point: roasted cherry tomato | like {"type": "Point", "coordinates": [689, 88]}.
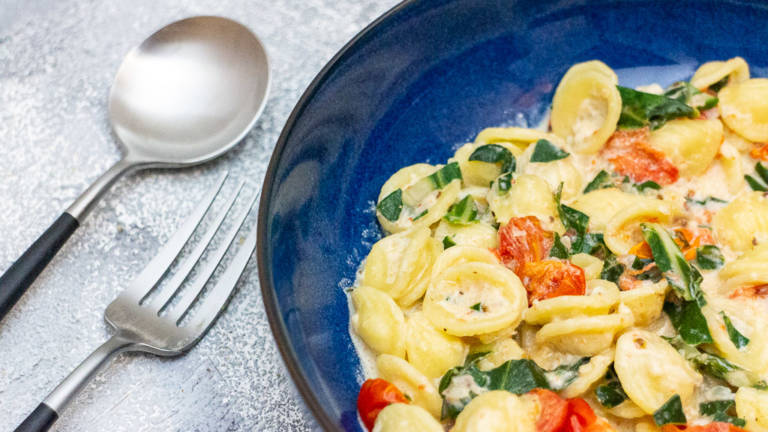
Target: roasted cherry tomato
{"type": "Point", "coordinates": [752, 292]}
{"type": "Point", "coordinates": [631, 155]}
{"type": "Point", "coordinates": [760, 153]}
{"type": "Point", "coordinates": [375, 395]}
{"type": "Point", "coordinates": [523, 240]}
{"type": "Point", "coordinates": [550, 278]}
{"type": "Point", "coordinates": [554, 411]}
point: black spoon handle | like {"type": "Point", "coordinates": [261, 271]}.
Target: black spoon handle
{"type": "Point", "coordinates": [15, 281]}
{"type": "Point", "coordinates": [39, 420]}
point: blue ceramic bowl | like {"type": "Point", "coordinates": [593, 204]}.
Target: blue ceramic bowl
{"type": "Point", "coordinates": [418, 82]}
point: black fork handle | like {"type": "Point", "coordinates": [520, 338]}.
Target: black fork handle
{"type": "Point", "coordinates": [15, 281]}
{"type": "Point", "coordinates": [39, 420]}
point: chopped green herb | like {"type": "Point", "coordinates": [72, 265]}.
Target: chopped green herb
{"type": "Point", "coordinates": [681, 91]}
{"type": "Point", "coordinates": [639, 109]}
{"type": "Point", "coordinates": [709, 257]}
{"type": "Point", "coordinates": [705, 201]}
{"type": "Point", "coordinates": [670, 413]}
{"type": "Point", "coordinates": [684, 278]}
{"type": "Point", "coordinates": [477, 307]}
{"type": "Point", "coordinates": [545, 151]}
{"type": "Point", "coordinates": [640, 263]}
{"type": "Point", "coordinates": [611, 393]}
{"type": "Point", "coordinates": [689, 322]}
{"type": "Point", "coordinates": [562, 376]}
{"type": "Point", "coordinates": [738, 339]}
{"type": "Point", "coordinates": [756, 185]}
{"type": "Point", "coordinates": [558, 249]}
{"type": "Point", "coordinates": [653, 274]}
{"type": "Point", "coordinates": [612, 269]}
{"type": "Point", "coordinates": [421, 215]}
{"type": "Point", "coordinates": [601, 181]}
{"type": "Point", "coordinates": [448, 242]}
{"type": "Point", "coordinates": [391, 206]}
{"type": "Point", "coordinates": [719, 412]}
{"type": "Point", "coordinates": [494, 153]}
{"type": "Point", "coordinates": [649, 184]}
{"type": "Point", "coordinates": [761, 182]}
{"type": "Point", "coordinates": [463, 212]}
{"type": "Point", "coordinates": [708, 104]}
{"type": "Point", "coordinates": [504, 183]}
{"type": "Point", "coordinates": [716, 87]}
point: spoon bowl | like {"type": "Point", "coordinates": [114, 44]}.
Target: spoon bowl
{"type": "Point", "coordinates": [190, 92]}
{"type": "Point", "coordinates": [187, 94]}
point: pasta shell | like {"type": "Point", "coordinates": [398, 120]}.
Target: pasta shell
{"type": "Point", "coordinates": [378, 321]}
{"type": "Point", "coordinates": [586, 106]}
{"type": "Point", "coordinates": [475, 298]}
{"type": "Point", "coordinates": [478, 173]}
{"type": "Point", "coordinates": [651, 371]}
{"type": "Point", "coordinates": [400, 417]}
{"type": "Point", "coordinates": [401, 180]}
{"type": "Point", "coordinates": [623, 230]}
{"type": "Point", "coordinates": [589, 374]}
{"type": "Point", "coordinates": [604, 296]}
{"type": "Point", "coordinates": [744, 108]}
{"type": "Point", "coordinates": [712, 72]}
{"type": "Point", "coordinates": [591, 265]}
{"type": "Point", "coordinates": [411, 382]}
{"type": "Point", "coordinates": [749, 322]}
{"type": "Point", "coordinates": [601, 205]}
{"type": "Point", "coordinates": [585, 336]}
{"type": "Point", "coordinates": [529, 196]}
{"type": "Point", "coordinates": [554, 173]}
{"type": "Point", "coordinates": [477, 234]}
{"type": "Point", "coordinates": [458, 254]}
{"type": "Point", "coordinates": [401, 264]}
{"type": "Point", "coordinates": [429, 350]}
{"type": "Point", "coordinates": [691, 145]}
{"type": "Point", "coordinates": [645, 301]}
{"type": "Point", "coordinates": [752, 406]}
{"type": "Point", "coordinates": [500, 352]}
{"type": "Point", "coordinates": [743, 222]}
{"type": "Point", "coordinates": [497, 411]}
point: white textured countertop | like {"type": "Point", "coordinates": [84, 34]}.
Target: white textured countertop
{"type": "Point", "coordinates": [57, 61]}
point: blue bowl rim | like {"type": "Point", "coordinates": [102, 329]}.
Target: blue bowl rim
{"type": "Point", "coordinates": [268, 293]}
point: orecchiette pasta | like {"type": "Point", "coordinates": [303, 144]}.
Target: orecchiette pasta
{"type": "Point", "coordinates": [690, 144]}
{"type": "Point", "coordinates": [597, 267]}
{"type": "Point", "coordinates": [497, 411]}
{"type": "Point", "coordinates": [586, 106]}
{"type": "Point", "coordinates": [603, 296]}
{"type": "Point", "coordinates": [429, 350]}
{"type": "Point", "coordinates": [379, 321]}
{"type": "Point", "coordinates": [477, 234]}
{"type": "Point", "coordinates": [623, 230]}
{"type": "Point", "coordinates": [752, 406]}
{"type": "Point", "coordinates": [651, 371]}
{"type": "Point", "coordinates": [744, 108]}
{"type": "Point", "coordinates": [411, 382]}
{"type": "Point", "coordinates": [586, 336]}
{"type": "Point", "coordinates": [400, 264]}
{"type": "Point", "coordinates": [711, 72]}
{"type": "Point", "coordinates": [529, 196]}
{"type": "Point", "coordinates": [400, 417]}
{"type": "Point", "coordinates": [474, 298]}
{"type": "Point", "coordinates": [743, 223]}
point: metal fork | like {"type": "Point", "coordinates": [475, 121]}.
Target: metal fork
{"type": "Point", "coordinates": [154, 324]}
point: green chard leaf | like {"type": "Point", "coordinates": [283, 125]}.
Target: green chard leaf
{"type": "Point", "coordinates": [681, 91]}
{"type": "Point", "coordinates": [639, 109]}
{"type": "Point", "coordinates": [648, 184]}
{"type": "Point", "coordinates": [612, 269]}
{"type": "Point", "coordinates": [689, 322]}
{"type": "Point", "coordinates": [504, 182]}
{"type": "Point", "coordinates": [463, 212]}
{"type": "Point", "coordinates": [496, 154]}
{"type": "Point", "coordinates": [515, 376]}
{"type": "Point", "coordinates": [445, 175]}
{"type": "Point", "coordinates": [545, 151]}
{"type": "Point", "coordinates": [448, 242]}
{"type": "Point", "coordinates": [708, 104]}
{"type": "Point", "coordinates": [719, 412]}
{"type": "Point", "coordinates": [391, 206]}
{"type": "Point", "coordinates": [738, 339]}
{"type": "Point", "coordinates": [670, 413]}
{"type": "Point", "coordinates": [716, 87]}
{"type": "Point", "coordinates": [611, 393]}
{"type": "Point", "coordinates": [714, 365]}
{"type": "Point", "coordinates": [760, 182]}
{"type": "Point", "coordinates": [684, 278]}
{"type": "Point", "coordinates": [558, 249]}
{"type": "Point", "coordinates": [601, 181]}
{"type": "Point", "coordinates": [709, 257]}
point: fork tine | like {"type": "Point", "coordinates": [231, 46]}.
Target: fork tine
{"type": "Point", "coordinates": [213, 304]}
{"type": "Point", "coordinates": [176, 312]}
{"type": "Point", "coordinates": [170, 288]}
{"type": "Point", "coordinates": [156, 269]}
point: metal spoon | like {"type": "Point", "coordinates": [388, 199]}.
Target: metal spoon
{"type": "Point", "coordinates": [186, 95]}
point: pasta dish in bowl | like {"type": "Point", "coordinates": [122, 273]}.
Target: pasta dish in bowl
{"type": "Point", "coordinates": [606, 271]}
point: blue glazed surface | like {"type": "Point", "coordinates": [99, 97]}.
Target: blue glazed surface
{"type": "Point", "coordinates": [412, 88]}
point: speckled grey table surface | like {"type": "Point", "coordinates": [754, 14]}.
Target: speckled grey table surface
{"type": "Point", "coordinates": [57, 61]}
